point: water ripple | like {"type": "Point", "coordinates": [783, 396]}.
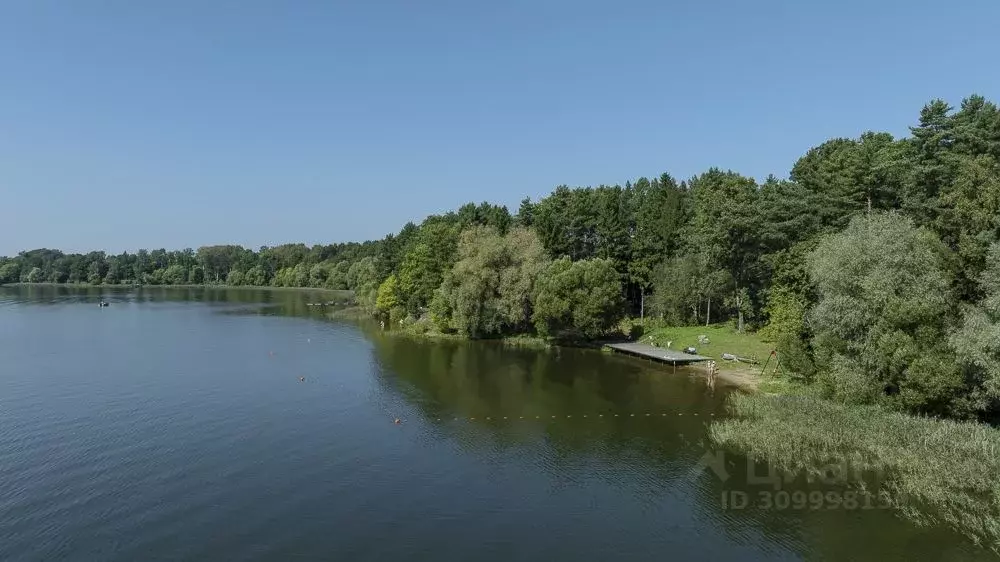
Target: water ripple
{"type": "Point", "coordinates": [178, 430]}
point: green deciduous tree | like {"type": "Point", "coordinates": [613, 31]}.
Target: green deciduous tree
{"type": "Point", "coordinates": [300, 275]}
{"type": "Point", "coordinates": [318, 274]}
{"type": "Point", "coordinates": [363, 279]}
{"type": "Point", "coordinates": [235, 278]}
{"type": "Point", "coordinates": [883, 311]}
{"type": "Point", "coordinates": [337, 278]}
{"type": "Point", "coordinates": [34, 276]}
{"type": "Point", "coordinates": [786, 330]}
{"type": "Point", "coordinates": [685, 287]}
{"type": "Point", "coordinates": [216, 261]}
{"type": "Point", "coordinates": [977, 340]}
{"type": "Point", "coordinates": [255, 277]}
{"type": "Point", "coordinates": [580, 299]}
{"type": "Point", "coordinates": [175, 275]}
{"type": "Point", "coordinates": [197, 275]}
{"type": "Point", "coordinates": [488, 290]}
{"type": "Point", "coordinates": [98, 268]}
{"type": "Point", "coordinates": [387, 296]}
{"type": "Point", "coordinates": [282, 277]}
{"type": "Point", "coordinates": [10, 272]}
{"type": "Point", "coordinates": [430, 256]}
{"type": "Point", "coordinates": [363, 272]}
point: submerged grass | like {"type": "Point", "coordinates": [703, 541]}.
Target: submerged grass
{"type": "Point", "coordinates": [348, 313]}
{"type": "Point", "coordinates": [933, 471]}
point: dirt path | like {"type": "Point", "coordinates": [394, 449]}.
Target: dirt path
{"type": "Point", "coordinates": [740, 375]}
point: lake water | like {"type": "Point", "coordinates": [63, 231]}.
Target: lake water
{"type": "Point", "coordinates": [172, 425]}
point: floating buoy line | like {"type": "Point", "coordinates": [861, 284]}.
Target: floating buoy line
{"type": "Point", "coordinates": [539, 417]}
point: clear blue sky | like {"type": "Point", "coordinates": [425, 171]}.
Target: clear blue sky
{"type": "Point", "coordinates": [181, 123]}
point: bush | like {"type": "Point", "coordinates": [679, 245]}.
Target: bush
{"type": "Point", "coordinates": [399, 317]}
{"type": "Point", "coordinates": [631, 328]}
{"type": "Point", "coordinates": [419, 326]}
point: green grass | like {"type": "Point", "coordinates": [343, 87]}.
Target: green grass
{"type": "Point", "coordinates": [722, 339]}
{"type": "Point", "coordinates": [785, 386]}
{"type": "Point", "coordinates": [933, 471]}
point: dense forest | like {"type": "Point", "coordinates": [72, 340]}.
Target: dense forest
{"type": "Point", "coordinates": [874, 268]}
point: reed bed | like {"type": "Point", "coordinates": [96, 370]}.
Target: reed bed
{"type": "Point", "coordinates": [934, 471]}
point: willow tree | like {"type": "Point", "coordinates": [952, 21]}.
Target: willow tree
{"type": "Point", "coordinates": [577, 299]}
{"type": "Point", "coordinates": [883, 315]}
{"type": "Point", "coordinates": [487, 292]}
{"type": "Point", "coordinates": [977, 341]}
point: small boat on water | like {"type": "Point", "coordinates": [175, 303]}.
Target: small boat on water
{"type": "Point", "coordinates": [103, 303]}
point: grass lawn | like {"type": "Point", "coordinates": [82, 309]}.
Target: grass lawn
{"type": "Point", "coordinates": [721, 339]}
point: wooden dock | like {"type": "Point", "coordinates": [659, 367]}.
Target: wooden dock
{"type": "Point", "coordinates": [663, 355]}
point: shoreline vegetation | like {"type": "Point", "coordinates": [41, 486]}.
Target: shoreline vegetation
{"type": "Point", "coordinates": [930, 471]}
{"type": "Point", "coordinates": [341, 292]}
{"type": "Point", "coordinates": [873, 273]}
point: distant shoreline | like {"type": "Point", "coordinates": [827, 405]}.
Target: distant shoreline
{"type": "Point", "coordinates": [186, 286]}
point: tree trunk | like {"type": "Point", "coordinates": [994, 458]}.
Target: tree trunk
{"type": "Point", "coordinates": [708, 311]}
{"type": "Point", "coordinates": [739, 312]}
{"type": "Point", "coordinates": [642, 303]}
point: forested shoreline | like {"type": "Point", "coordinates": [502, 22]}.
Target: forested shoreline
{"type": "Point", "coordinates": [874, 268]}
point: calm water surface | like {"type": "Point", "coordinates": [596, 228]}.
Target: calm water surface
{"type": "Point", "coordinates": [172, 425]}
